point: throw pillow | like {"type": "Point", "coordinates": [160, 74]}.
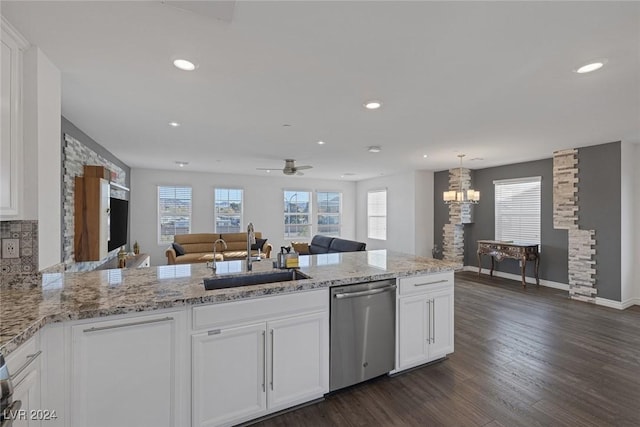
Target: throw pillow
{"type": "Point", "coordinates": [301, 248]}
{"type": "Point", "coordinates": [178, 248]}
{"type": "Point", "coordinates": [258, 244]}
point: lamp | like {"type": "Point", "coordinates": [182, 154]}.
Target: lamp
{"type": "Point", "coordinates": [462, 196]}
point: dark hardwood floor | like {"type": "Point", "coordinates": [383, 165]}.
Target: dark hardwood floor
{"type": "Point", "coordinates": [523, 357]}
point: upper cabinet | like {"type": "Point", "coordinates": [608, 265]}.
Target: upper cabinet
{"type": "Point", "coordinates": [13, 45]}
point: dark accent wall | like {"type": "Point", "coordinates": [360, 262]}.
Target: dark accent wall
{"type": "Point", "coordinates": [600, 204]}
{"type": "Point", "coordinates": [554, 245]}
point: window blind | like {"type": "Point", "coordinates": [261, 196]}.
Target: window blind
{"type": "Point", "coordinates": [517, 210]}
{"type": "Point", "coordinates": [377, 214]}
{"type": "Point", "coordinates": [174, 212]}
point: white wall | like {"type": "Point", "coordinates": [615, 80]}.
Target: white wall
{"type": "Point", "coordinates": [409, 212]}
{"type": "Point", "coordinates": [263, 204]}
{"type": "Point", "coordinates": [424, 213]}
{"type": "Point", "coordinates": [42, 153]}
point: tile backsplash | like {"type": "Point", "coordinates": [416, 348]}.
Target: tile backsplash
{"type": "Point", "coordinates": [27, 234]}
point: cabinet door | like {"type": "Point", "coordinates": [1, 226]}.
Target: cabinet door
{"type": "Point", "coordinates": [413, 329]}
{"type": "Point", "coordinates": [297, 359]}
{"type": "Point", "coordinates": [125, 372]}
{"type": "Point", "coordinates": [228, 375]}
{"type": "Point", "coordinates": [28, 392]}
{"type": "Point", "coordinates": [441, 323]}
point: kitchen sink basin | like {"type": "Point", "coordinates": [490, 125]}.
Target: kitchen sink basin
{"type": "Point", "coordinates": [221, 282]}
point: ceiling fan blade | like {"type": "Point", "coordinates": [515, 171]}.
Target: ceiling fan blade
{"type": "Point", "coordinates": [299, 173]}
{"type": "Point", "coordinates": [303, 167]}
{"type": "Point", "coordinates": [268, 169]}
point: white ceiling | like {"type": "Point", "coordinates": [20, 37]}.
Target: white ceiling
{"type": "Point", "coordinates": [493, 80]}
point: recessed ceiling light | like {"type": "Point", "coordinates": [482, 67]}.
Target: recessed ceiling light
{"type": "Point", "coordinates": [372, 105]}
{"type": "Point", "coordinates": [321, 143]}
{"type": "Point", "coordinates": [182, 164]}
{"type": "Point", "coordinates": [424, 156]}
{"type": "Point", "coordinates": [174, 124]}
{"type": "Point", "coordinates": [268, 171]}
{"type": "Point", "coordinates": [184, 65]}
{"type": "Point", "coordinates": [375, 149]}
{"type": "Point", "coordinates": [592, 66]}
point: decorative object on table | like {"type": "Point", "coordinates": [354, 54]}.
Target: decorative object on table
{"type": "Point", "coordinates": [122, 258]}
{"type": "Point", "coordinates": [136, 248]}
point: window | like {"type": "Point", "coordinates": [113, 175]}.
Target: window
{"type": "Point", "coordinates": [297, 214]}
{"type": "Point", "coordinates": [377, 214]}
{"type": "Point", "coordinates": [228, 210]}
{"type": "Point", "coordinates": [518, 210]}
{"type": "Point", "coordinates": [174, 212]}
{"type": "Point", "coordinates": [329, 208]}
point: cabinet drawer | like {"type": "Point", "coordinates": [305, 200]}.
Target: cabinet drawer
{"type": "Point", "coordinates": [425, 283]}
{"type": "Point", "coordinates": [24, 359]}
{"type": "Point", "coordinates": [259, 309]}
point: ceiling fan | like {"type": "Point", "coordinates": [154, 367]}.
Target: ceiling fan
{"type": "Point", "coordinates": [290, 168]}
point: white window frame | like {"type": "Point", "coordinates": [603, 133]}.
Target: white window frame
{"type": "Point", "coordinates": [309, 214]}
{"type": "Point", "coordinates": [215, 214]}
{"type": "Point", "coordinates": [338, 214]}
{"type": "Point", "coordinates": [160, 216]}
{"type": "Point", "coordinates": [524, 210]}
{"type": "Point", "coordinates": [377, 233]}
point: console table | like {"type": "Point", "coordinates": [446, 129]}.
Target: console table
{"type": "Point", "coordinates": [499, 250]}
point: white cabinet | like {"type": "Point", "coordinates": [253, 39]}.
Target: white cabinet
{"type": "Point", "coordinates": [229, 372]}
{"type": "Point", "coordinates": [128, 372]}
{"type": "Point", "coordinates": [25, 367]}
{"type": "Point", "coordinates": [245, 370]}
{"type": "Point", "coordinates": [425, 319]}
{"type": "Point", "coordinates": [12, 45]}
{"type": "Point", "coordinates": [298, 359]}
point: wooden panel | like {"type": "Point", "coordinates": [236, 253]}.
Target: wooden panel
{"type": "Point", "coordinates": [90, 239]}
{"type": "Point", "coordinates": [97, 172]}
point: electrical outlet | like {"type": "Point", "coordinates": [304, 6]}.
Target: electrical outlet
{"type": "Point", "coordinates": [10, 248]}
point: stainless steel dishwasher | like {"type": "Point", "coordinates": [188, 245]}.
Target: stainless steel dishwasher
{"type": "Point", "coordinates": [363, 332]}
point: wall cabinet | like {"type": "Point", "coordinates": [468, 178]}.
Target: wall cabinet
{"type": "Point", "coordinates": [127, 372]}
{"type": "Point", "coordinates": [425, 319]}
{"type": "Point", "coordinates": [12, 45]}
{"type": "Point", "coordinates": [25, 367]}
{"type": "Point", "coordinates": [91, 218]}
{"type": "Point", "coordinates": [244, 371]}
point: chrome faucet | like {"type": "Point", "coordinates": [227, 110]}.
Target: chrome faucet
{"type": "Point", "coordinates": [213, 264]}
{"type": "Point", "coordinates": [251, 240]}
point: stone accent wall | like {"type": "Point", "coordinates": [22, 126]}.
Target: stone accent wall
{"type": "Point", "coordinates": [27, 234]}
{"type": "Point", "coordinates": [459, 214]}
{"type": "Point", "coordinates": [75, 156]}
{"type": "Point", "coordinates": [453, 242]}
{"type": "Point", "coordinates": [582, 266]}
{"type": "Point", "coordinates": [565, 190]}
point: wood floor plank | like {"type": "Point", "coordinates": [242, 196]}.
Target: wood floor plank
{"type": "Point", "coordinates": [523, 357]}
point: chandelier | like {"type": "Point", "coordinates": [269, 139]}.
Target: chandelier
{"type": "Point", "coordinates": [462, 196]}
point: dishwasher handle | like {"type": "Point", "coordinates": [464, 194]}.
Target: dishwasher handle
{"type": "Point", "coordinates": [365, 293]}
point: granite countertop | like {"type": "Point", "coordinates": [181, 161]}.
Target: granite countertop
{"type": "Point", "coordinates": [27, 306]}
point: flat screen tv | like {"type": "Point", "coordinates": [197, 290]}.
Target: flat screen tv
{"type": "Point", "coordinates": [118, 223]}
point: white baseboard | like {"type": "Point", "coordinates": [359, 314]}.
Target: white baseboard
{"type": "Point", "coordinates": [529, 280]}
{"type": "Point", "coordinates": [556, 285]}
{"type": "Point", "coordinates": [617, 304]}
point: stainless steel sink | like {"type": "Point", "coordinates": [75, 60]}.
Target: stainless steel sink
{"type": "Point", "coordinates": [221, 282]}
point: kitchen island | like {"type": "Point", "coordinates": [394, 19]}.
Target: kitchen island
{"type": "Point", "coordinates": [161, 319]}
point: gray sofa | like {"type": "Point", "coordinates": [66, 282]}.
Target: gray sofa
{"type": "Point", "coordinates": [326, 244]}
